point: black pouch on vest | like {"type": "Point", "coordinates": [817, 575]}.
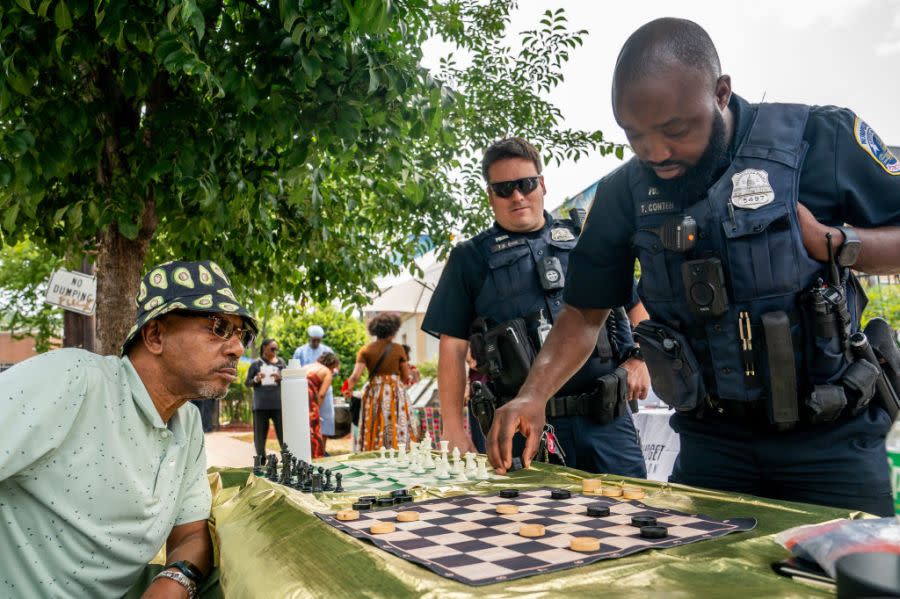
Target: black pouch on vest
{"type": "Point", "coordinates": [824, 309]}
{"type": "Point", "coordinates": [674, 369]}
{"type": "Point", "coordinates": [825, 404]}
{"type": "Point", "coordinates": [859, 380]}
{"type": "Point", "coordinates": [509, 355]}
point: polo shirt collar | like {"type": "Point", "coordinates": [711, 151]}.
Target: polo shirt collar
{"type": "Point", "coordinates": [141, 397]}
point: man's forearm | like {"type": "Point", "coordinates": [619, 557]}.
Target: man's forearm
{"type": "Point", "coordinates": [451, 386]}
{"type": "Point", "coordinates": [570, 343]}
{"type": "Point", "coordinates": [880, 251]}
{"type": "Point", "coordinates": [195, 547]}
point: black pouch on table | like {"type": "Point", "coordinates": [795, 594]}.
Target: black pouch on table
{"type": "Point", "coordinates": [509, 354]}
{"type": "Point", "coordinates": [674, 369]}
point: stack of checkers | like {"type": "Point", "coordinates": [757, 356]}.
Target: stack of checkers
{"type": "Point", "coordinates": [594, 486]}
{"type": "Point", "coordinates": [485, 539]}
{"type": "Point", "coordinates": [368, 502]}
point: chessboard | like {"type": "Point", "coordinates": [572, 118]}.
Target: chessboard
{"type": "Point", "coordinates": [464, 538]}
{"type": "Point", "coordinates": [382, 476]}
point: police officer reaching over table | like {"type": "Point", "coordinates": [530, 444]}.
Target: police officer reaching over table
{"type": "Point", "coordinates": [501, 291]}
{"type": "Point", "coordinates": [736, 212]}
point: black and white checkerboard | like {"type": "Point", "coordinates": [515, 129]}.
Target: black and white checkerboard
{"type": "Point", "coordinates": [463, 538]}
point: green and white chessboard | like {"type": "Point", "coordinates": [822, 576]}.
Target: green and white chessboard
{"type": "Point", "coordinates": [377, 476]}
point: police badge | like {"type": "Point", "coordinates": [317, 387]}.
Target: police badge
{"type": "Point", "coordinates": [561, 234]}
{"type": "Point", "coordinates": [751, 189]}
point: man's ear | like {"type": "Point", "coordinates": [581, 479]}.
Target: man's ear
{"type": "Point", "coordinates": [152, 335]}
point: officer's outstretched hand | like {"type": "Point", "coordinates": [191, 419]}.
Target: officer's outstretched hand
{"type": "Point", "coordinates": [524, 415]}
{"type": "Point", "coordinates": [638, 379]}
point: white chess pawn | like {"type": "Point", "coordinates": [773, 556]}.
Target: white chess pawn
{"type": "Point", "coordinates": [470, 463]}
{"type": "Point", "coordinates": [391, 459]}
{"type": "Point", "coordinates": [461, 476]}
{"type": "Point", "coordinates": [456, 454]}
{"type": "Point", "coordinates": [429, 460]}
{"type": "Point", "coordinates": [457, 463]}
{"type": "Point", "coordinates": [382, 450]}
{"type": "Point", "coordinates": [482, 473]}
{"type": "Point", "coordinates": [442, 471]}
{"type": "Point", "coordinates": [445, 446]}
{"type": "Point", "coordinates": [416, 465]}
{"type": "Point", "coordinates": [402, 459]}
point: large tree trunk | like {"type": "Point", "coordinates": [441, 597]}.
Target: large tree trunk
{"type": "Point", "coordinates": [119, 268]}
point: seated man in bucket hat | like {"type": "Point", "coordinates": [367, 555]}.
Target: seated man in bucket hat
{"type": "Point", "coordinates": [102, 459]}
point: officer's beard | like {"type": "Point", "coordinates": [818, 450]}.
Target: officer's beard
{"type": "Point", "coordinates": [697, 178]}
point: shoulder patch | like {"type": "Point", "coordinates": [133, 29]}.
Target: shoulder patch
{"type": "Point", "coordinates": [869, 141]}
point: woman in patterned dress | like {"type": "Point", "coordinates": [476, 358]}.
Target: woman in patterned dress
{"type": "Point", "coordinates": [385, 419]}
{"type": "Point", "coordinates": [318, 380]}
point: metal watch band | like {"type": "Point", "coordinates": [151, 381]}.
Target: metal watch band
{"type": "Point", "coordinates": [181, 579]}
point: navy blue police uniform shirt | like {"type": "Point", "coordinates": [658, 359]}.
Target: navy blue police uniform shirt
{"type": "Point", "coordinates": [451, 309]}
{"type": "Point", "coordinates": [847, 177]}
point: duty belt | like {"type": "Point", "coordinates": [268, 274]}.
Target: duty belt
{"type": "Point", "coordinates": [602, 405]}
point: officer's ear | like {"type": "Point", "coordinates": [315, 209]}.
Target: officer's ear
{"type": "Point", "coordinates": [543, 187]}
{"type": "Point", "coordinates": [723, 91]}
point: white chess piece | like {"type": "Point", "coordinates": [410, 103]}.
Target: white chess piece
{"type": "Point", "coordinates": [442, 471]}
{"type": "Point", "coordinates": [482, 473]}
{"type": "Point", "coordinates": [461, 476]}
{"type": "Point", "coordinates": [391, 459]}
{"type": "Point", "coordinates": [382, 450]}
{"type": "Point", "coordinates": [416, 466]}
{"type": "Point", "coordinates": [456, 454]}
{"type": "Point", "coordinates": [445, 446]}
{"type": "Point", "coordinates": [457, 463]}
{"type": "Point", "coordinates": [470, 463]}
{"type": "Point", "coordinates": [429, 460]}
{"type": "Point", "coordinates": [402, 458]}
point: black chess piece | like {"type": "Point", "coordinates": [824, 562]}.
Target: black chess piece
{"type": "Point", "coordinates": [338, 488]}
{"type": "Point", "coordinates": [286, 472]}
{"type": "Point", "coordinates": [272, 467]}
{"type": "Point", "coordinates": [317, 483]}
{"type": "Point", "coordinates": [327, 486]}
{"type": "Point", "coordinates": [257, 465]}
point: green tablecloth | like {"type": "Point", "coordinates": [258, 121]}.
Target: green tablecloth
{"type": "Point", "coordinates": [272, 545]}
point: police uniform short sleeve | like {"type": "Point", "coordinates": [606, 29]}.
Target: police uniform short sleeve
{"type": "Point", "coordinates": [40, 399]}
{"type": "Point", "coordinates": [849, 175]}
{"type": "Point", "coordinates": [601, 267]}
{"type": "Point", "coordinates": [451, 309]}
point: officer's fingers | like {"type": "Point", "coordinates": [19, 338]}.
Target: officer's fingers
{"type": "Point", "coordinates": [493, 452]}
{"type": "Point", "coordinates": [504, 440]}
{"type": "Point", "coordinates": [532, 441]}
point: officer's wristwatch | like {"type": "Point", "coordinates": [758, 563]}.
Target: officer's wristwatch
{"type": "Point", "coordinates": [634, 352]}
{"type": "Point", "coordinates": [848, 252]}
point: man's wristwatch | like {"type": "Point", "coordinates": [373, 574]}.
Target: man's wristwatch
{"type": "Point", "coordinates": [179, 577]}
{"type": "Point", "coordinates": [634, 352]}
{"type": "Point", "coordinates": [188, 569]}
{"type": "Point", "coordinates": [848, 251]}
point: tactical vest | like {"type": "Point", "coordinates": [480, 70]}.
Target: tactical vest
{"type": "Point", "coordinates": [512, 289]}
{"type": "Point", "coordinates": [766, 270]}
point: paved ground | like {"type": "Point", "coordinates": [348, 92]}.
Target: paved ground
{"type": "Point", "coordinates": [230, 449]}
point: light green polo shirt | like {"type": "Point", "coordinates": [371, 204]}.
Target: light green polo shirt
{"type": "Point", "coordinates": [91, 480]}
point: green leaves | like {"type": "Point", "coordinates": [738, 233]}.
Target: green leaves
{"type": "Point", "coordinates": [61, 16]}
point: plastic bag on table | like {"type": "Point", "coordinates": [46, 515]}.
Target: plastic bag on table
{"type": "Point", "coordinates": [827, 542]}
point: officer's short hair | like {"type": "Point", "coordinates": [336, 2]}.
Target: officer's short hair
{"type": "Point", "coordinates": [656, 44]}
{"type": "Point", "coordinates": [511, 147]}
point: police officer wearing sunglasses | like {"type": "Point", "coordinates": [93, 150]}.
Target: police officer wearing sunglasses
{"type": "Point", "coordinates": [499, 294]}
{"type": "Point", "coordinates": [754, 335]}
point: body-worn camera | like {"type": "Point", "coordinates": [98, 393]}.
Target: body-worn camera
{"type": "Point", "coordinates": [551, 273]}
{"type": "Point", "coordinates": [704, 284]}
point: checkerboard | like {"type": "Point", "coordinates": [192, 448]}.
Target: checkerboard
{"type": "Point", "coordinates": [463, 538]}
{"type": "Point", "coordinates": [377, 476]}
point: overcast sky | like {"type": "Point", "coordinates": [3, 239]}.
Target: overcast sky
{"type": "Point", "coordinates": [845, 53]}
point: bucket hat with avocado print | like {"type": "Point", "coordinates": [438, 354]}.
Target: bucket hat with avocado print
{"type": "Point", "coordinates": [192, 286]}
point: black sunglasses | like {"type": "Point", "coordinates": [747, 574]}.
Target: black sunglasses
{"type": "Point", "coordinates": [525, 185]}
{"type": "Point", "coordinates": [225, 329]}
